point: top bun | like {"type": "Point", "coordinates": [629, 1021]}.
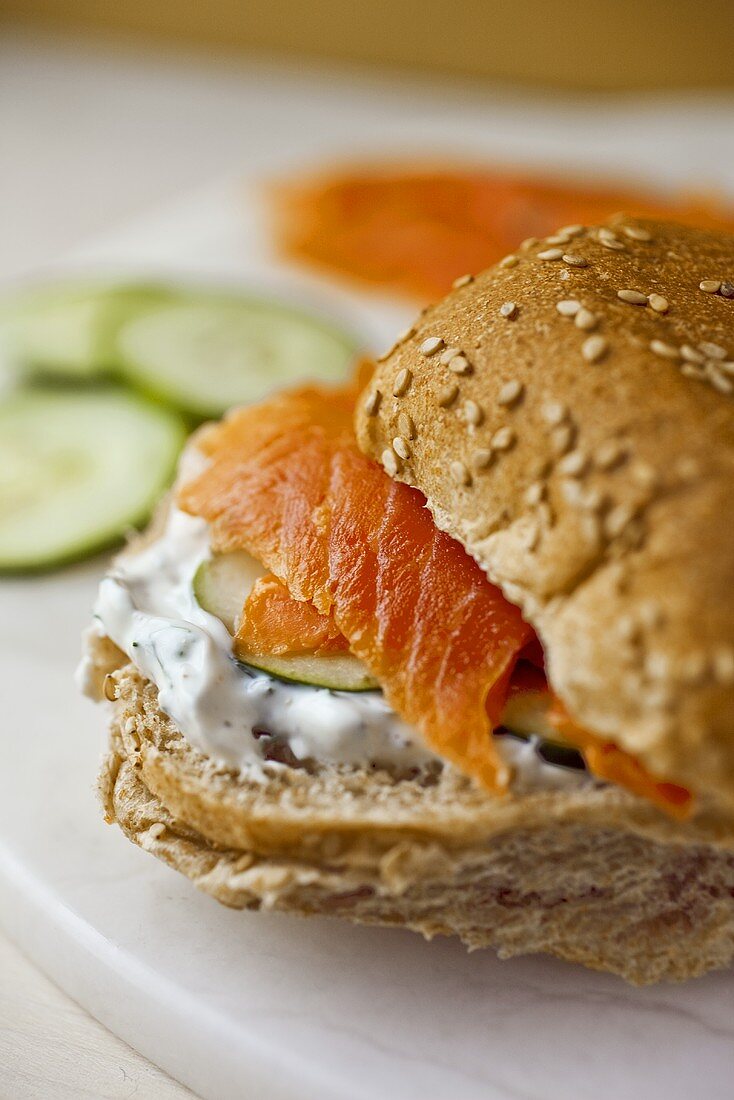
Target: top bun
{"type": "Point", "coordinates": [580, 446]}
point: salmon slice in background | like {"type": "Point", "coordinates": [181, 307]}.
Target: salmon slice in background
{"type": "Point", "coordinates": [416, 229]}
{"type": "Point", "coordinates": [287, 483]}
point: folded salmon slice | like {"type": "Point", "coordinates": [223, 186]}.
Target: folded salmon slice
{"type": "Point", "coordinates": [274, 623]}
{"type": "Point", "coordinates": [287, 483]}
{"type": "Point", "coordinates": [355, 554]}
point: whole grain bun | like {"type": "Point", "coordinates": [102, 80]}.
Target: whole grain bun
{"type": "Point", "coordinates": [587, 463]}
{"type": "Point", "coordinates": [595, 876]}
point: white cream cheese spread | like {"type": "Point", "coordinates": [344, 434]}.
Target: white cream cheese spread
{"type": "Point", "coordinates": [236, 714]}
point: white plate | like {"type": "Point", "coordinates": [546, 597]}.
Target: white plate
{"type": "Point", "coordinates": [240, 1004]}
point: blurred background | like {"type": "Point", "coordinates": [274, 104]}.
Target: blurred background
{"type": "Point", "coordinates": [134, 135]}
{"type": "Point", "coordinates": [106, 105]}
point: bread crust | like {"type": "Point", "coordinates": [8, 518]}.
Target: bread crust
{"type": "Point", "coordinates": [596, 877]}
{"type": "Point", "coordinates": [596, 492]}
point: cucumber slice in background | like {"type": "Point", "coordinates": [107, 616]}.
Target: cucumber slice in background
{"type": "Point", "coordinates": [222, 584]}
{"type": "Point", "coordinates": [338, 672]}
{"type": "Point", "coordinates": [78, 468]}
{"type": "Point", "coordinates": [69, 330]}
{"type": "Point", "coordinates": [207, 354]}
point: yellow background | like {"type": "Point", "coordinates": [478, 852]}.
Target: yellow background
{"type": "Point", "coordinates": [592, 44]}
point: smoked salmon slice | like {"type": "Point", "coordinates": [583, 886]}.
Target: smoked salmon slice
{"type": "Point", "coordinates": [287, 483]}
{"type": "Point", "coordinates": [415, 230]}
{"type": "Point", "coordinates": [356, 560]}
{"type": "Point", "coordinates": [274, 623]}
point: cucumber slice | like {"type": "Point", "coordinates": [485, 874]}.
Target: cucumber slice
{"type": "Point", "coordinates": [69, 330]}
{"type": "Point", "coordinates": [338, 672]}
{"type": "Point", "coordinates": [77, 469]}
{"type": "Point", "coordinates": [527, 713]}
{"type": "Point", "coordinates": [221, 585]}
{"type": "Point", "coordinates": [207, 354]}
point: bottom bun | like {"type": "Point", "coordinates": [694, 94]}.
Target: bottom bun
{"type": "Point", "coordinates": [593, 876]}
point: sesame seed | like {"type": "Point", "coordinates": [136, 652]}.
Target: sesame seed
{"type": "Point", "coordinates": [727, 366]}
{"type": "Point", "coordinates": [590, 528]}
{"type": "Point", "coordinates": [628, 629]}
{"type": "Point", "coordinates": [551, 254]}
{"type": "Point", "coordinates": [406, 427]}
{"type": "Point", "coordinates": [460, 473]}
{"type": "Point", "coordinates": [557, 238]}
{"type": "Point", "coordinates": [463, 280]}
{"type": "Point", "coordinates": [447, 394]}
{"type": "Point", "coordinates": [636, 233]}
{"type": "Point", "coordinates": [657, 666]}
{"type": "Point", "coordinates": [693, 666]}
{"type": "Point", "coordinates": [401, 447]}
{"type": "Point", "coordinates": [609, 454]}
{"type": "Point", "coordinates": [473, 413]}
{"type": "Point", "coordinates": [633, 297]}
{"type": "Point", "coordinates": [157, 830]}
{"type": "Point", "coordinates": [687, 468]}
{"type": "Point", "coordinates": [651, 614]}
{"type": "Point", "coordinates": [710, 286]}
{"type": "Point", "coordinates": [561, 438]}
{"type": "Point", "coordinates": [612, 243]}
{"type": "Point", "coordinates": [665, 351]}
{"type": "Point", "coordinates": [460, 365]}
{"type": "Point", "coordinates": [688, 370]}
{"type": "Point", "coordinates": [531, 536]}
{"type": "Point", "coordinates": [431, 345]}
{"type": "Point", "coordinates": [553, 412]}
{"type": "Point", "coordinates": [529, 242]}
{"type": "Point", "coordinates": [606, 234]}
{"type": "Point", "coordinates": [586, 320]}
{"type": "Point", "coordinates": [726, 290]}
{"type": "Point", "coordinates": [544, 512]}
{"type": "Point", "coordinates": [571, 492]}
{"type": "Point", "coordinates": [568, 307]}
{"type": "Point", "coordinates": [723, 663]}
{"type": "Point", "coordinates": [109, 689]}
{"type": "Point", "coordinates": [503, 439]}
{"type": "Point", "coordinates": [390, 461]}
{"type": "Point", "coordinates": [721, 383]}
{"type": "Point", "coordinates": [448, 354]}
{"type": "Point", "coordinates": [594, 348]}
{"type": "Point", "coordinates": [712, 351]}
{"type": "Point", "coordinates": [482, 458]}
{"type": "Point", "coordinates": [510, 392]}
{"type": "Point", "coordinates": [571, 230]}
{"type": "Point", "coordinates": [509, 261]}
{"type": "Point", "coordinates": [690, 354]}
{"type": "Point", "coordinates": [616, 520]}
{"type": "Point", "coordinates": [372, 403]}
{"type": "Point", "coordinates": [508, 310]}
{"type": "Point", "coordinates": [592, 499]}
{"type": "Point", "coordinates": [573, 464]}
{"type": "Point", "coordinates": [643, 474]}
{"type": "Point", "coordinates": [658, 303]}
{"type": "Point", "coordinates": [535, 493]}
{"type": "Point", "coordinates": [573, 260]}
{"type": "Point", "coordinates": [402, 382]}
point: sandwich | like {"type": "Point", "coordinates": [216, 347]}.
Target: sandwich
{"type": "Point", "coordinates": [452, 647]}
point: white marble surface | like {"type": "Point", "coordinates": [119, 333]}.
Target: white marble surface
{"type": "Point", "coordinates": [273, 1007]}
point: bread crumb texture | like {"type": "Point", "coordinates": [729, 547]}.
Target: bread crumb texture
{"type": "Point", "coordinates": [598, 877]}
